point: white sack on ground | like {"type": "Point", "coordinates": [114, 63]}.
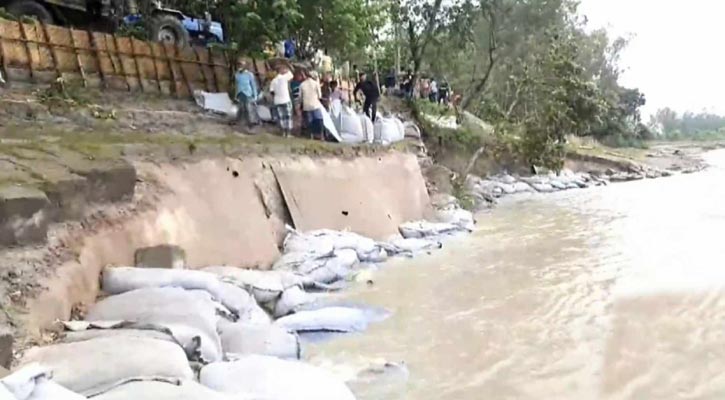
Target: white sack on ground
{"type": "Point", "coordinates": [186, 390]}
{"type": "Point", "coordinates": [330, 269]}
{"type": "Point", "coordinates": [329, 319]}
{"type": "Point", "coordinates": [215, 102]}
{"type": "Point", "coordinates": [264, 113]}
{"type": "Point", "coordinates": [96, 366]}
{"type": "Point", "coordinates": [33, 382]}
{"type": "Point", "coordinates": [78, 331]}
{"type": "Point", "coordinates": [457, 216]}
{"type": "Point", "coordinates": [425, 229]}
{"type": "Point", "coordinates": [388, 130]}
{"type": "Point", "coordinates": [350, 127]}
{"type": "Point", "coordinates": [329, 124]}
{"type": "Point", "coordinates": [117, 280]}
{"type": "Point", "coordinates": [191, 315]}
{"type": "Point", "coordinates": [269, 378]}
{"type": "Point", "coordinates": [411, 246]}
{"type": "Point", "coordinates": [270, 340]}
{"type": "Point", "coordinates": [292, 300]}
{"type": "Point", "coordinates": [368, 127]}
{"type": "Point", "coordinates": [265, 286]}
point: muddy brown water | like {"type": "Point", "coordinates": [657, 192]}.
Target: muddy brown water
{"type": "Point", "coordinates": [607, 293]}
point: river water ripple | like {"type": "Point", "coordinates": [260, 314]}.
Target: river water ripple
{"type": "Point", "coordinates": [606, 293]}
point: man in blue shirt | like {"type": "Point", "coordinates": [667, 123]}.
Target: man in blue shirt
{"type": "Point", "coordinates": [247, 94]}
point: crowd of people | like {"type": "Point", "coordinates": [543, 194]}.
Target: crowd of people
{"type": "Point", "coordinates": [297, 99]}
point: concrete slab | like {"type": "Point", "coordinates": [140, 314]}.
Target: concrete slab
{"type": "Point", "coordinates": [24, 215]}
{"type": "Point", "coordinates": [370, 196]}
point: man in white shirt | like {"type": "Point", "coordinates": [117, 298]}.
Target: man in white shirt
{"type": "Point", "coordinates": [311, 94]}
{"type": "Point", "coordinates": [282, 99]}
{"type": "Point", "coordinates": [433, 91]}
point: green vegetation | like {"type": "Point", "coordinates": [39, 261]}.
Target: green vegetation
{"type": "Point", "coordinates": [689, 126]}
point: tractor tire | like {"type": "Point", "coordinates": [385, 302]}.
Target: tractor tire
{"type": "Point", "coordinates": [168, 29]}
{"type": "Point", "coordinates": [31, 8]}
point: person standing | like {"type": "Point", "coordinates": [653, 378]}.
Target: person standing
{"type": "Point", "coordinates": [280, 89]}
{"type": "Point", "coordinates": [247, 94]}
{"type": "Point", "coordinates": [311, 94]}
{"type": "Point", "coordinates": [372, 94]}
{"type": "Point", "coordinates": [433, 91]}
{"type": "Point", "coordinates": [444, 93]}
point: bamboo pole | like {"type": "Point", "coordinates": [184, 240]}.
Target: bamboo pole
{"type": "Point", "coordinates": [78, 58]}
{"type": "Point", "coordinates": [51, 49]}
{"type": "Point", "coordinates": [24, 35]}
{"type": "Point", "coordinates": [120, 59]}
{"type": "Point", "coordinates": [210, 54]}
{"type": "Point", "coordinates": [94, 46]}
{"type": "Point", "coordinates": [138, 67]}
{"type": "Point", "coordinates": [201, 69]}
{"type": "Point", "coordinates": [171, 70]}
{"type": "Point", "coordinates": [156, 67]}
{"type": "Point", "coordinates": [183, 73]}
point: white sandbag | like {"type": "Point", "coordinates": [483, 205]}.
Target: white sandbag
{"type": "Point", "coordinates": [265, 286]}
{"type": "Point", "coordinates": [388, 130]}
{"type": "Point", "coordinates": [350, 126]}
{"type": "Point", "coordinates": [330, 269]}
{"type": "Point", "coordinates": [256, 315]}
{"type": "Point", "coordinates": [264, 113]}
{"type": "Point", "coordinates": [335, 110]}
{"type": "Point", "coordinates": [270, 378]}
{"type": "Point", "coordinates": [271, 340]}
{"type": "Point", "coordinates": [78, 331]}
{"type": "Point", "coordinates": [190, 315]}
{"type": "Point", "coordinates": [457, 216]}
{"type": "Point", "coordinates": [424, 229]}
{"type": "Point", "coordinates": [33, 382]}
{"type": "Point", "coordinates": [523, 187]}
{"type": "Point", "coordinates": [96, 366]}
{"type": "Point", "coordinates": [368, 127]}
{"type": "Point", "coordinates": [543, 187]}
{"type": "Point", "coordinates": [291, 300]}
{"type": "Point", "coordinates": [118, 280]}
{"type": "Point", "coordinates": [216, 102]}
{"type": "Point", "coordinates": [413, 245]}
{"type": "Point", "coordinates": [328, 319]}
{"type": "Point", "coordinates": [186, 390]}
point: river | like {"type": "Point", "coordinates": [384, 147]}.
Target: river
{"type": "Point", "coordinates": [605, 293]}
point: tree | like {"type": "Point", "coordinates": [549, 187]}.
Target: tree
{"type": "Point", "coordinates": [422, 19]}
{"type": "Point", "coordinates": [340, 27]}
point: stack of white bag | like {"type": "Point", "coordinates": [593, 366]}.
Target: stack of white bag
{"type": "Point", "coordinates": [352, 127]}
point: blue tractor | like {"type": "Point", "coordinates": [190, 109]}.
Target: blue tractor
{"type": "Point", "coordinates": [165, 24]}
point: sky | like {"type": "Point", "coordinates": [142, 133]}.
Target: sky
{"type": "Point", "coordinates": [676, 52]}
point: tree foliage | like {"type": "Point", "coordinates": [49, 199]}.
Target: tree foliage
{"type": "Point", "coordinates": [668, 124]}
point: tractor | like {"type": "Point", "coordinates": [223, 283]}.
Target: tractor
{"type": "Point", "coordinates": [164, 24]}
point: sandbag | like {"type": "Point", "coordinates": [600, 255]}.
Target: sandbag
{"type": "Point", "coordinates": [190, 315]}
{"type": "Point", "coordinates": [95, 366]}
{"type": "Point", "coordinates": [33, 382]}
{"type": "Point", "coordinates": [411, 246]}
{"type": "Point", "coordinates": [265, 286]}
{"type": "Point", "coordinates": [368, 127]}
{"type": "Point", "coordinates": [425, 229]}
{"type": "Point", "coordinates": [78, 331]}
{"type": "Point", "coordinates": [291, 300]}
{"type": "Point", "coordinates": [350, 126]}
{"type": "Point", "coordinates": [411, 130]}
{"type": "Point", "coordinates": [118, 280]}
{"type": "Point", "coordinates": [243, 339]}
{"type": "Point", "coordinates": [270, 378]}
{"type": "Point", "coordinates": [186, 390]}
{"type": "Point", "coordinates": [328, 319]}
{"type": "Point", "coordinates": [457, 216]}
{"type": "Point", "coordinates": [388, 130]}
{"type": "Point", "coordinates": [330, 269]}
{"type": "Point", "coordinates": [264, 113]}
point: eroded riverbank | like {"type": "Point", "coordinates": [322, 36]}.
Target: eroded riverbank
{"type": "Point", "coordinates": [612, 292]}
